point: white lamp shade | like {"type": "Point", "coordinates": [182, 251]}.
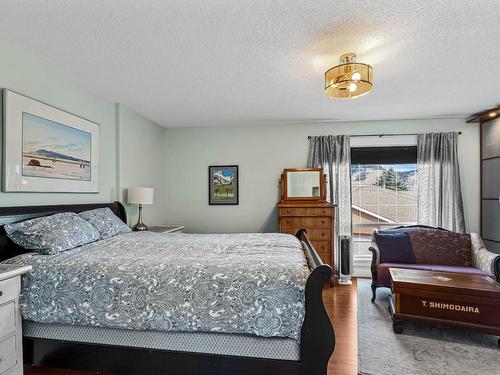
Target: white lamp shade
{"type": "Point", "coordinates": [140, 195]}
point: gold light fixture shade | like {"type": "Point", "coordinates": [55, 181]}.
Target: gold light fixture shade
{"type": "Point", "coordinates": [348, 80]}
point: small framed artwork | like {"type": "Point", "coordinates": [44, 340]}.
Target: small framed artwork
{"type": "Point", "coordinates": [223, 185]}
{"type": "Point", "coordinates": [47, 149]}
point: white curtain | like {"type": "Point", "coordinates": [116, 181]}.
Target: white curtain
{"type": "Point", "coordinates": [333, 154]}
{"type": "Point", "coordinates": [438, 181]}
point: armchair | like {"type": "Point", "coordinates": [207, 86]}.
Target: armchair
{"type": "Point", "coordinates": [436, 250]}
{"type": "Point", "coordinates": [484, 259]}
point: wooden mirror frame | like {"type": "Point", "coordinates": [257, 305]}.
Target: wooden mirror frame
{"type": "Point", "coordinates": [284, 185]}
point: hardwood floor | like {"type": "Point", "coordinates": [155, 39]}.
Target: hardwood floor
{"type": "Point", "coordinates": [341, 304]}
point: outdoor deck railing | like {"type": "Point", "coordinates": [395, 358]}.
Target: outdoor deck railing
{"type": "Point", "coordinates": [361, 241]}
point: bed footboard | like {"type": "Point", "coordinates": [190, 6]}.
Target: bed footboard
{"type": "Point", "coordinates": [317, 338]}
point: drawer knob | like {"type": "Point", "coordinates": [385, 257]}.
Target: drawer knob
{"type": "Point", "coordinates": [323, 234]}
{"type": "Point", "coordinates": [1, 293]}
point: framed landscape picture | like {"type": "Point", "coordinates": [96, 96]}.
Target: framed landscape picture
{"type": "Point", "coordinates": [223, 184]}
{"type": "Point", "coordinates": [47, 149]}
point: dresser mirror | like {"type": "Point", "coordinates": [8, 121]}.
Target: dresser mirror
{"type": "Point", "coordinates": [302, 184]}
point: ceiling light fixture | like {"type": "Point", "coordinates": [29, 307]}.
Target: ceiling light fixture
{"type": "Point", "coordinates": [349, 79]}
{"type": "Point", "coordinates": [492, 114]}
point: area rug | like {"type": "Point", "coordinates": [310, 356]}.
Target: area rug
{"type": "Point", "coordinates": [420, 349]}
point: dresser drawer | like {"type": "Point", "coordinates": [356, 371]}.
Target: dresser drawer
{"type": "Point", "coordinates": [9, 289]}
{"type": "Point", "coordinates": [318, 211]}
{"type": "Point", "coordinates": [312, 234]}
{"type": "Point", "coordinates": [8, 354]}
{"type": "Point", "coordinates": [306, 222]}
{"type": "Point", "coordinates": [293, 211]}
{"type": "Point", "coordinates": [319, 234]}
{"type": "Point", "coordinates": [322, 247]}
{"type": "Point", "coordinates": [7, 319]}
{"type": "Point", "coordinates": [306, 211]}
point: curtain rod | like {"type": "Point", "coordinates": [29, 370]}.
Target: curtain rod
{"type": "Point", "coordinates": [381, 135]}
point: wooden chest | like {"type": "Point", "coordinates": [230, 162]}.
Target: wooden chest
{"type": "Point", "coordinates": [316, 218]}
{"type": "Point", "coordinates": [444, 298]}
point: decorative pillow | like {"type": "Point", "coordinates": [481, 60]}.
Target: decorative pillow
{"type": "Point", "coordinates": [52, 234]}
{"type": "Point", "coordinates": [394, 247]}
{"type": "Point", "coordinates": [105, 221]}
{"type": "Point", "coordinates": [441, 247]}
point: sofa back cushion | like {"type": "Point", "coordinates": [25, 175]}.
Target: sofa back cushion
{"type": "Point", "coordinates": [440, 247]}
{"type": "Point", "coordinates": [394, 247]}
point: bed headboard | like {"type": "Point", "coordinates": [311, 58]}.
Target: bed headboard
{"type": "Point", "coordinates": [9, 215]}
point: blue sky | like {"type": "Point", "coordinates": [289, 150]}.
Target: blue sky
{"type": "Point", "coordinates": [396, 167]}
{"type": "Point", "coordinates": [400, 167]}
{"type": "Point", "coordinates": [40, 133]}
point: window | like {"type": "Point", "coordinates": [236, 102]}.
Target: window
{"type": "Point", "coordinates": [383, 183]}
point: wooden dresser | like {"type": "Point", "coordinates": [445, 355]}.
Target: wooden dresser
{"type": "Point", "coordinates": [314, 214]}
{"type": "Point", "coordinates": [316, 219]}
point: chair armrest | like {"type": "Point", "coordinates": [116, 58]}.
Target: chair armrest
{"type": "Point", "coordinates": [483, 258]}
{"type": "Point", "coordinates": [375, 254]}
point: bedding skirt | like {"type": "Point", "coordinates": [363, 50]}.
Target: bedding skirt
{"type": "Point", "coordinates": [227, 344]}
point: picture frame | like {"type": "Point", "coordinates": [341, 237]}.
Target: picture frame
{"type": "Point", "coordinates": [47, 149]}
{"type": "Point", "coordinates": [223, 185]}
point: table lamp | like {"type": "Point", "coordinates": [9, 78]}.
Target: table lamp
{"type": "Point", "coordinates": [140, 196]}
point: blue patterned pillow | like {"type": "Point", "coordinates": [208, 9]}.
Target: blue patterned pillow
{"type": "Point", "coordinates": [105, 221]}
{"type": "Point", "coordinates": [52, 234]}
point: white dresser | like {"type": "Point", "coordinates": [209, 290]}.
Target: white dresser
{"type": "Point", "coordinates": [11, 333]}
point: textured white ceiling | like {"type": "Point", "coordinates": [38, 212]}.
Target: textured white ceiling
{"type": "Point", "coordinates": [207, 62]}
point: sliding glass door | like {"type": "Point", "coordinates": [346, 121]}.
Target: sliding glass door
{"type": "Point", "coordinates": [384, 194]}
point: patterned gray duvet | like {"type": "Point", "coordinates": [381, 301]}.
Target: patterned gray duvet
{"type": "Point", "coordinates": [233, 283]}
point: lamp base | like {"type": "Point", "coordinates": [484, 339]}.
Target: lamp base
{"type": "Point", "coordinates": [140, 227]}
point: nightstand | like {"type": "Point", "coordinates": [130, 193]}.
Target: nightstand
{"type": "Point", "coordinates": [11, 333]}
{"type": "Point", "coordinates": [166, 228]}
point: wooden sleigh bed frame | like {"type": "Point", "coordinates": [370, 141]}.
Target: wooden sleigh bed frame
{"type": "Point", "coordinates": [317, 338]}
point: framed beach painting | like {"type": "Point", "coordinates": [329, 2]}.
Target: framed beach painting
{"type": "Point", "coordinates": [47, 149]}
{"type": "Point", "coordinates": [223, 185]}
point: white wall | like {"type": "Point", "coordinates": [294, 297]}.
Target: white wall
{"type": "Point", "coordinates": [25, 73]}
{"type": "Point", "coordinates": [140, 162]}
{"type": "Point", "coordinates": [262, 152]}
{"type": "Point", "coordinates": [134, 161]}
{"type": "Point", "coordinates": [132, 152]}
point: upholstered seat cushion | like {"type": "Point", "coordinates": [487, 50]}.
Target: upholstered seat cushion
{"type": "Point", "coordinates": [384, 278]}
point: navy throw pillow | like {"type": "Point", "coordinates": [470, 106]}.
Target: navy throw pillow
{"type": "Point", "coordinates": [394, 247]}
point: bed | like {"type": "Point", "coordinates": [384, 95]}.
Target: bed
{"type": "Point", "coordinates": [221, 303]}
